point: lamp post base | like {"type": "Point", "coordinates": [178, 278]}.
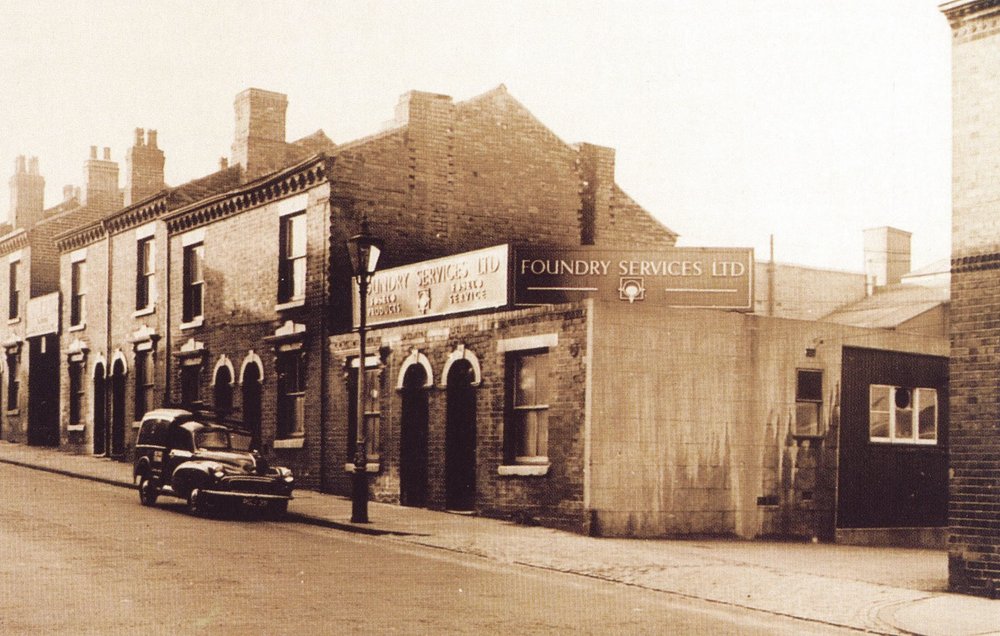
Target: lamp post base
{"type": "Point", "coordinates": [359, 496]}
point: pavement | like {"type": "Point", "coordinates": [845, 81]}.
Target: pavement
{"type": "Point", "coordinates": [874, 590]}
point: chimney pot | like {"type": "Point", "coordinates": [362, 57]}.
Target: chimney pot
{"type": "Point", "coordinates": [223, 163]}
{"type": "Point", "coordinates": [93, 152]}
{"type": "Point", "coordinates": [138, 137]}
{"type": "Point", "coordinates": [151, 139]}
{"type": "Point", "coordinates": [69, 192]}
{"type": "Point", "coordinates": [33, 165]}
{"type": "Point", "coordinates": [107, 153]}
{"type": "Point", "coordinates": [19, 164]}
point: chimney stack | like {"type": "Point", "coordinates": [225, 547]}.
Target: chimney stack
{"type": "Point", "coordinates": [259, 143]}
{"type": "Point", "coordinates": [27, 193]}
{"type": "Point", "coordinates": [887, 256]}
{"type": "Point", "coordinates": [100, 182]}
{"type": "Point", "coordinates": [143, 167]}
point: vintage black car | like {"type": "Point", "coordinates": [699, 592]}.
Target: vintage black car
{"type": "Point", "coordinates": [183, 455]}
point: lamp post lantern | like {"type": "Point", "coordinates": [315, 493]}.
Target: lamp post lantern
{"type": "Point", "coordinates": [364, 251]}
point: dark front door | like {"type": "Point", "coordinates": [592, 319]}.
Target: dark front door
{"type": "Point", "coordinates": [118, 409]}
{"type": "Point", "coordinates": [413, 439]}
{"type": "Point", "coordinates": [100, 414]}
{"type": "Point", "coordinates": [460, 439]}
{"type": "Point", "coordinates": [251, 403]}
{"type": "Point", "coordinates": [43, 402]}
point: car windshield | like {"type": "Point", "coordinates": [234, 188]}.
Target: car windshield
{"type": "Point", "coordinates": [212, 439]}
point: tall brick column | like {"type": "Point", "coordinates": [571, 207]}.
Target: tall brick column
{"type": "Point", "coordinates": [974, 507]}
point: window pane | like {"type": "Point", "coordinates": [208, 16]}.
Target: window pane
{"type": "Point", "coordinates": [880, 398]}
{"type": "Point", "coordinates": [297, 236]}
{"type": "Point", "coordinates": [529, 434]}
{"type": "Point", "coordinates": [809, 385]}
{"type": "Point", "coordinates": [927, 402]}
{"type": "Point", "coordinates": [298, 277]}
{"type": "Point", "coordinates": [904, 424]}
{"type": "Point", "coordinates": [807, 418]}
{"type": "Point", "coordinates": [878, 425]}
{"type": "Point", "coordinates": [526, 379]}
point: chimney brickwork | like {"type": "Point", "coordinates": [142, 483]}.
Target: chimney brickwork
{"type": "Point", "coordinates": [259, 143]}
{"type": "Point", "coordinates": [143, 167]}
{"type": "Point", "coordinates": [100, 178]}
{"type": "Point", "coordinates": [27, 193]}
{"type": "Point", "coordinates": [597, 175]}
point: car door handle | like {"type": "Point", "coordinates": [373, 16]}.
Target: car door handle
{"type": "Point", "coordinates": [174, 454]}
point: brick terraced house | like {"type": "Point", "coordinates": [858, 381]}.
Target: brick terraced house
{"type": "Point", "coordinates": [974, 550]}
{"type": "Point", "coordinates": [29, 331]}
{"type": "Point", "coordinates": [620, 412]}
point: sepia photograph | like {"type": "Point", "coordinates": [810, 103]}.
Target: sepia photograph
{"type": "Point", "coordinates": [481, 317]}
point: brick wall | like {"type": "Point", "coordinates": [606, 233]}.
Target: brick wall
{"type": "Point", "coordinates": [241, 312]}
{"type": "Point", "coordinates": [90, 336]}
{"type": "Point", "coordinates": [974, 554]}
{"type": "Point", "coordinates": [482, 172]}
{"type": "Point", "coordinates": [555, 499]}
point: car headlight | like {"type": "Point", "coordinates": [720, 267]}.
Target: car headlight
{"type": "Point", "coordinates": [289, 479]}
{"type": "Point", "coordinates": [218, 473]}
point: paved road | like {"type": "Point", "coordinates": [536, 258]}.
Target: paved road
{"type": "Point", "coordinates": [81, 557]}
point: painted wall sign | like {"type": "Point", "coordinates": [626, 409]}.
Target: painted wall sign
{"type": "Point", "coordinates": [453, 284]}
{"type": "Point", "coordinates": [707, 277]}
{"type": "Point", "coordinates": [43, 315]}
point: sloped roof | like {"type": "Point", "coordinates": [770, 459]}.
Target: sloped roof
{"type": "Point", "coordinates": [891, 306]}
{"type": "Point", "coordinates": [206, 186]}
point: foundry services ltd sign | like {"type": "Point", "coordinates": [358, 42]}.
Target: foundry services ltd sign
{"type": "Point", "coordinates": [705, 277]}
{"type": "Point", "coordinates": [470, 281]}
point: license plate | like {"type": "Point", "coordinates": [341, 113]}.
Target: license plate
{"type": "Point", "coordinates": [253, 502]}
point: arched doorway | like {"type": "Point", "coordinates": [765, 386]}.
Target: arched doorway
{"type": "Point", "coordinates": [460, 438]}
{"type": "Point", "coordinates": [100, 414]}
{"type": "Point", "coordinates": [413, 438]}
{"type": "Point", "coordinates": [251, 394]}
{"type": "Point", "coordinates": [118, 408]}
{"type": "Point", "coordinates": [222, 392]}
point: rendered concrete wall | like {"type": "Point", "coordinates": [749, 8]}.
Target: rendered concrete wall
{"type": "Point", "coordinates": [693, 415]}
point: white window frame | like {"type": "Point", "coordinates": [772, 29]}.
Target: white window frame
{"type": "Point", "coordinates": [288, 295]}
{"type": "Point", "coordinates": [196, 318]}
{"type": "Point", "coordinates": [78, 293]}
{"type": "Point", "coordinates": [915, 406]}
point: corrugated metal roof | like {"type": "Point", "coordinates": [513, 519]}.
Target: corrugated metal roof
{"type": "Point", "coordinates": [890, 306]}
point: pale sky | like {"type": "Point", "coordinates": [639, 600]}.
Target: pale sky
{"type": "Point", "coordinates": [806, 119]}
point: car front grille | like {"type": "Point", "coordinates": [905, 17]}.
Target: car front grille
{"type": "Point", "coordinates": [250, 484]}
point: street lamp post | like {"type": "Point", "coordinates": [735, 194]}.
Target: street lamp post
{"type": "Point", "coordinates": [364, 251]}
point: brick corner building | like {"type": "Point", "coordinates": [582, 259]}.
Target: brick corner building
{"type": "Point", "coordinates": [974, 547]}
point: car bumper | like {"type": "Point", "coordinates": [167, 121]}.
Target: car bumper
{"type": "Point", "coordinates": [245, 495]}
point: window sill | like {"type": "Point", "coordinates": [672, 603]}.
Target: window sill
{"type": "Point", "coordinates": [78, 327]}
{"type": "Point", "coordinates": [371, 467]}
{"type": "Point", "coordinates": [136, 425]}
{"type": "Point", "coordinates": [290, 442]}
{"type": "Point", "coordinates": [523, 470]}
{"type": "Point", "coordinates": [14, 321]}
{"type": "Point", "coordinates": [291, 304]}
{"type": "Point", "coordinates": [880, 441]}
{"type": "Point", "coordinates": [197, 322]}
{"type": "Point", "coordinates": [145, 311]}
{"type": "Point", "coordinates": [809, 439]}
{"type": "Point", "coordinates": [75, 428]}
{"type": "Point", "coordinates": [13, 411]}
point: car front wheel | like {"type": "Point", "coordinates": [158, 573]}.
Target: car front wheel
{"type": "Point", "coordinates": [196, 502]}
{"type": "Point", "coordinates": [147, 491]}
